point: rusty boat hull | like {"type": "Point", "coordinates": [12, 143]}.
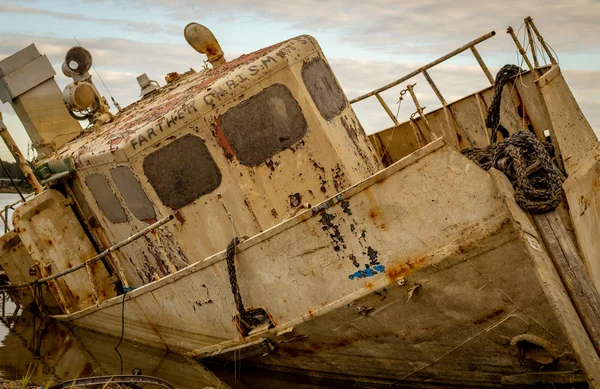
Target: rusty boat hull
{"type": "Point", "coordinates": [461, 290]}
{"type": "Point", "coordinates": [389, 259]}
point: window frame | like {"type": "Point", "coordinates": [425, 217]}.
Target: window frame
{"type": "Point", "coordinates": [234, 125]}
{"type": "Point", "coordinates": [106, 203]}
{"type": "Point", "coordinates": [163, 184]}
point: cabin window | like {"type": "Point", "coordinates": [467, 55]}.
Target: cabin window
{"type": "Point", "coordinates": [324, 89]}
{"type": "Point", "coordinates": [182, 171]}
{"type": "Point", "coordinates": [105, 198]}
{"type": "Point", "coordinates": [132, 192]}
{"type": "Point", "coordinates": [263, 125]}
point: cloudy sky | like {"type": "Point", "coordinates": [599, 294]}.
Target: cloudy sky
{"type": "Point", "coordinates": [367, 43]}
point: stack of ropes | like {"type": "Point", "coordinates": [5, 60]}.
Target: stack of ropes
{"type": "Point", "coordinates": [525, 160]}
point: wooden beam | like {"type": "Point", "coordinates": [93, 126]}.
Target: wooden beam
{"type": "Point", "coordinates": [570, 267]}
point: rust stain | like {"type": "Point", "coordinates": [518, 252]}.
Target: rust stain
{"type": "Point", "coordinates": [115, 142]}
{"type": "Point", "coordinates": [492, 315]}
{"type": "Point", "coordinates": [355, 337]}
{"type": "Point", "coordinates": [179, 217]}
{"type": "Point", "coordinates": [393, 273]}
{"type": "Point", "coordinates": [222, 140]}
{"type": "Point", "coordinates": [352, 132]}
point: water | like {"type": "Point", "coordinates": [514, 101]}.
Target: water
{"type": "Point", "coordinates": [7, 199]}
{"type": "Point", "coordinates": [50, 351]}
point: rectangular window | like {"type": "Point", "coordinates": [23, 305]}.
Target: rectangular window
{"type": "Point", "coordinates": [132, 192]}
{"type": "Point", "coordinates": [105, 198]}
{"type": "Point", "coordinates": [323, 87]}
{"type": "Point", "coordinates": [182, 171]}
{"type": "Point", "coordinates": [263, 125]}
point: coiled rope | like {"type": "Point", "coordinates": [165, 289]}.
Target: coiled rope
{"type": "Point", "coordinates": [525, 160]}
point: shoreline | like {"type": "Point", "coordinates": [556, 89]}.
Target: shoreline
{"type": "Point", "coordinates": [14, 191]}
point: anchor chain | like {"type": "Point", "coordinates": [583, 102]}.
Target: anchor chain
{"type": "Point", "coordinates": [245, 318]}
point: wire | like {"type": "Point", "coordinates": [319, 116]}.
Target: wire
{"type": "Point", "coordinates": [126, 289]}
{"type": "Point", "coordinates": [101, 80]}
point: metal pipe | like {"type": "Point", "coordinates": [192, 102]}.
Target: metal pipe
{"type": "Point", "coordinates": [103, 254]}
{"type": "Point", "coordinates": [387, 109]}
{"type": "Point", "coordinates": [482, 64]}
{"type": "Point", "coordinates": [431, 134]}
{"type": "Point", "coordinates": [429, 65]}
{"type": "Point", "coordinates": [510, 31]}
{"type": "Point", "coordinates": [11, 206]}
{"type": "Point", "coordinates": [6, 218]}
{"type": "Point", "coordinates": [11, 180]}
{"type": "Point", "coordinates": [18, 156]}
{"type": "Point", "coordinates": [109, 250]}
{"type": "Point", "coordinates": [530, 37]}
{"type": "Point", "coordinates": [203, 41]}
{"type": "Point", "coordinates": [434, 87]}
{"type": "Point", "coordinates": [542, 42]}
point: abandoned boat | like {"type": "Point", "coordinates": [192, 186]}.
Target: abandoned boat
{"type": "Point", "coordinates": [241, 212]}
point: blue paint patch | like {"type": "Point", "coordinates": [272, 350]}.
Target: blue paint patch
{"type": "Point", "coordinates": [368, 272]}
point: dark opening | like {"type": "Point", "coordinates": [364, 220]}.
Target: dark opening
{"type": "Point", "coordinates": [105, 197]}
{"type": "Point", "coordinates": [182, 171]}
{"type": "Point", "coordinates": [132, 192]}
{"type": "Point", "coordinates": [263, 125]}
{"type": "Point", "coordinates": [324, 89]}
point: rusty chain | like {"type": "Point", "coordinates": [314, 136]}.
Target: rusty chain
{"type": "Point", "coordinates": [525, 160]}
{"type": "Point", "coordinates": [245, 318]}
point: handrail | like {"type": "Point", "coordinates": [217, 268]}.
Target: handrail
{"type": "Point", "coordinates": [103, 254]}
{"type": "Point", "coordinates": [428, 66]}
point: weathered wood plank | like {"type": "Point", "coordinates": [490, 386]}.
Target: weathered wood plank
{"type": "Point", "coordinates": [547, 377]}
{"type": "Point", "coordinates": [555, 291]}
{"type": "Point", "coordinates": [572, 272]}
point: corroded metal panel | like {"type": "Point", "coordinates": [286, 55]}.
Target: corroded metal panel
{"type": "Point", "coordinates": [328, 256]}
{"type": "Point", "coordinates": [19, 267]}
{"type": "Point", "coordinates": [56, 241]}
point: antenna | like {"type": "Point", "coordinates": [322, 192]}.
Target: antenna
{"type": "Point", "coordinates": [102, 81]}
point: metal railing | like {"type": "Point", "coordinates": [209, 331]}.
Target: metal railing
{"type": "Point", "coordinates": [530, 30]}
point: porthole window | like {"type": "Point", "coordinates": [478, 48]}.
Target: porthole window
{"type": "Point", "coordinates": [132, 192]}
{"type": "Point", "coordinates": [263, 125]}
{"type": "Point", "coordinates": [182, 171]}
{"type": "Point", "coordinates": [105, 198]}
{"type": "Point", "coordinates": [324, 89]}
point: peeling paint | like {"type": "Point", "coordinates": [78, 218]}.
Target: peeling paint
{"type": "Point", "coordinates": [367, 272]}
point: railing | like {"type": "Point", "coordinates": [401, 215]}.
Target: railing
{"type": "Point", "coordinates": [471, 45]}
{"type": "Point", "coordinates": [4, 213]}
{"type": "Point", "coordinates": [86, 264]}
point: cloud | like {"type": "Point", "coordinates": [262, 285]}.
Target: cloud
{"type": "Point", "coordinates": [409, 35]}
{"type": "Point", "coordinates": [401, 28]}
{"type": "Point", "coordinates": [125, 25]}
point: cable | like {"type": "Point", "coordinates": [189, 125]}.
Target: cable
{"type": "Point", "coordinates": [126, 289]}
{"type": "Point", "coordinates": [102, 81]}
